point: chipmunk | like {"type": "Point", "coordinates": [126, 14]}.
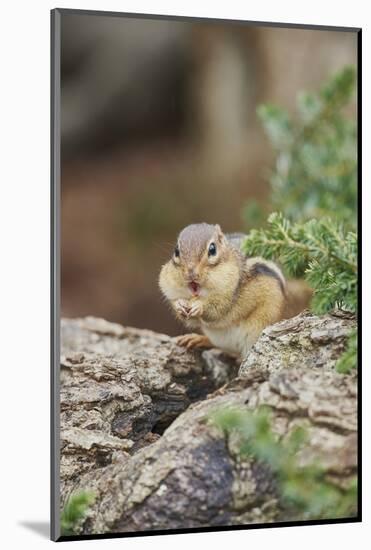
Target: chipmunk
{"type": "Point", "coordinates": [214, 287]}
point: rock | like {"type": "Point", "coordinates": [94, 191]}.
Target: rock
{"type": "Point", "coordinates": [136, 424]}
{"type": "Point", "coordinates": [306, 341]}
{"type": "Point", "coordinates": [127, 385]}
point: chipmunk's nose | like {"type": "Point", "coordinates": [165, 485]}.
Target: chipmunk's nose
{"type": "Point", "coordinates": [192, 273]}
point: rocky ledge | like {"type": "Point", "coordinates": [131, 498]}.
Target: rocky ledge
{"type": "Point", "coordinates": [135, 427]}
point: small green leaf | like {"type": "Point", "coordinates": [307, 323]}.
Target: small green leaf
{"type": "Point", "coordinates": [75, 510]}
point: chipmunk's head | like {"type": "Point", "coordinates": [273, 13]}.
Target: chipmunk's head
{"type": "Point", "coordinates": [202, 261]}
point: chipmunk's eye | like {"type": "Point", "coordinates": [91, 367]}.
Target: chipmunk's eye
{"type": "Point", "coordinates": [176, 252]}
{"type": "Point", "coordinates": [212, 249]}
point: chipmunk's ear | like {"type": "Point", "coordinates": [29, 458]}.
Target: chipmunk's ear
{"type": "Point", "coordinates": [219, 235]}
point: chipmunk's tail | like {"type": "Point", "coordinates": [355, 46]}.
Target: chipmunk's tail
{"type": "Point", "coordinates": [299, 295]}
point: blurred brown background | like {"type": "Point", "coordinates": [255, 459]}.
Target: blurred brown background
{"type": "Point", "coordinates": [159, 130]}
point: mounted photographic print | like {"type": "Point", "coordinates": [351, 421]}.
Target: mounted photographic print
{"type": "Point", "coordinates": [205, 181]}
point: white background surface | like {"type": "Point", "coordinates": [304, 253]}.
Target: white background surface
{"type": "Point", "coordinates": [24, 273]}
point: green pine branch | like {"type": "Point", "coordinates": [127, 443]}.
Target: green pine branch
{"type": "Point", "coordinates": [348, 361]}
{"type": "Point", "coordinates": [315, 173]}
{"type": "Point", "coordinates": [75, 510]}
{"type": "Point", "coordinates": [305, 492]}
{"type": "Point", "coordinates": [319, 250]}
{"type": "Point", "coordinates": [314, 187]}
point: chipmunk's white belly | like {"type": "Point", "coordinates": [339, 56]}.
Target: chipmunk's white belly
{"type": "Point", "coordinates": [232, 339]}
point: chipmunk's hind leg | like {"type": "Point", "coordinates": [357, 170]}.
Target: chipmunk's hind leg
{"type": "Point", "coordinates": [191, 341]}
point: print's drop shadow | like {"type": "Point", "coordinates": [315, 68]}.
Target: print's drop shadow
{"type": "Point", "coordinates": [40, 527]}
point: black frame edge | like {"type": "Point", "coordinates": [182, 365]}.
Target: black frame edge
{"type": "Point", "coordinates": [149, 533]}
{"type": "Point", "coordinates": [304, 26]}
{"type": "Point", "coordinates": [55, 64]}
{"type": "Point", "coordinates": [359, 259]}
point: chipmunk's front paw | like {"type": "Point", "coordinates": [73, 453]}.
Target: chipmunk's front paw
{"type": "Point", "coordinates": [196, 310]}
{"type": "Point", "coordinates": [190, 341]}
{"type": "Point", "coordinates": [187, 309]}
{"type": "Point", "coordinates": [182, 308]}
